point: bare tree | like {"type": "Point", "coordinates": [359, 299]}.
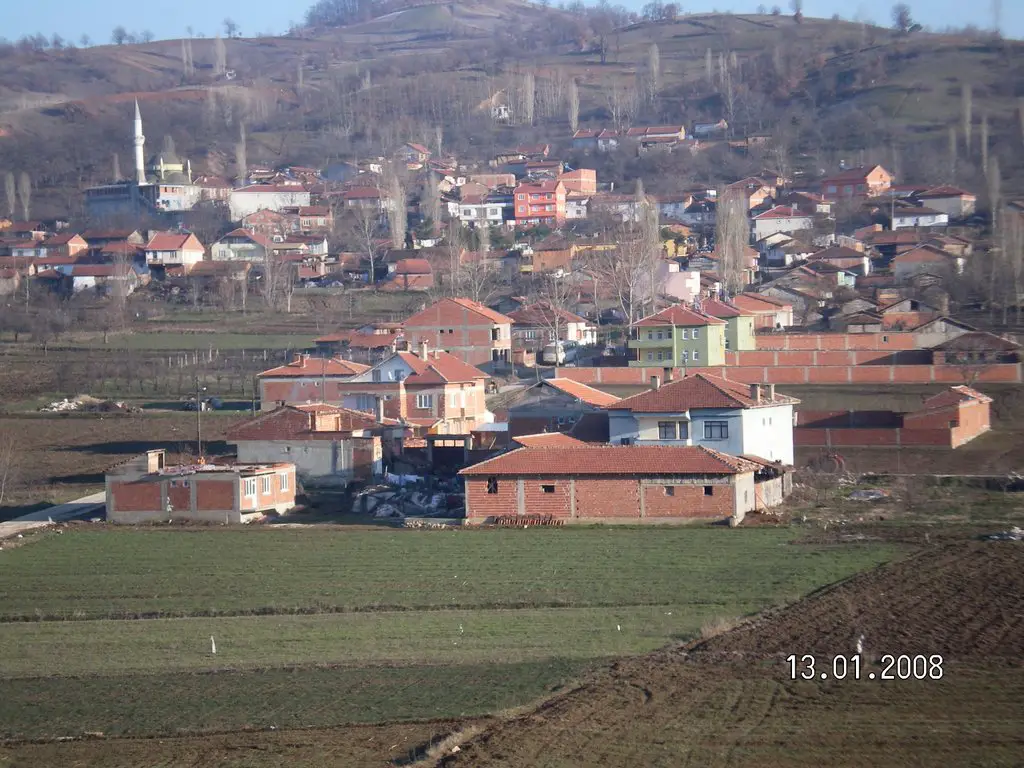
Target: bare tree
{"type": "Point", "coordinates": [119, 36]}
{"type": "Point", "coordinates": [952, 153]}
{"type": "Point", "coordinates": [732, 234]}
{"type": "Point", "coordinates": [528, 96]}
{"type": "Point", "coordinates": [984, 138]}
{"type": "Point", "coordinates": [11, 452]}
{"type": "Point", "coordinates": [709, 66]}
{"type": "Point", "coordinates": [25, 193]}
{"type": "Point", "coordinates": [477, 279]}
{"type": "Point", "coordinates": [430, 201]}
{"type": "Point", "coordinates": [241, 159]}
{"type": "Point", "coordinates": [1012, 237]}
{"type": "Point", "coordinates": [902, 21]}
{"type": "Point", "coordinates": [220, 56]}
{"type": "Point", "coordinates": [995, 186]}
{"type": "Point", "coordinates": [653, 71]}
{"type": "Point", "coordinates": [360, 227]}
{"type": "Point", "coordinates": [574, 105]}
{"type": "Point", "coordinates": [278, 283]}
{"type": "Point", "coordinates": [966, 114]}
{"type": "Point", "coordinates": [11, 187]}
{"type": "Point", "coordinates": [230, 27]}
{"type": "Point", "coordinates": [393, 196]}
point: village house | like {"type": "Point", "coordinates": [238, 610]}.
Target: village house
{"type": "Point", "coordinates": [857, 182]}
{"type": "Point", "coordinates": [98, 238]}
{"type": "Point", "coordinates": [582, 181]}
{"type": "Point", "coordinates": [561, 406]}
{"type": "Point", "coordinates": [242, 245]}
{"type": "Point", "coordinates": [917, 216]}
{"type": "Point", "coordinates": [432, 390]}
{"type": "Point", "coordinates": [769, 313]}
{"type": "Point", "coordinates": [117, 279]}
{"type": "Point", "coordinates": [678, 336]}
{"type": "Point", "coordinates": [540, 203]}
{"type": "Point", "coordinates": [329, 445]}
{"type": "Point", "coordinates": [697, 409]}
{"type": "Point", "coordinates": [537, 325]}
{"type": "Point", "coordinates": [472, 332]}
{"type": "Point", "coordinates": [145, 490]}
{"type": "Point", "coordinates": [975, 350]}
{"type": "Point", "coordinates": [409, 275]}
{"type": "Point", "coordinates": [956, 203]}
{"type": "Point", "coordinates": [844, 258]}
{"type": "Point", "coordinates": [753, 191]}
{"type": "Point", "coordinates": [680, 284]}
{"type": "Point", "coordinates": [808, 202]}
{"type": "Point", "coordinates": [274, 197]}
{"type": "Point", "coordinates": [739, 324]}
{"type": "Point", "coordinates": [306, 380]}
{"type": "Point", "coordinates": [925, 259]}
{"type": "Point", "coordinates": [778, 219]}
{"type": "Point", "coordinates": [636, 483]}
{"type": "Point", "coordinates": [368, 344]}
{"type": "Point", "coordinates": [170, 249]}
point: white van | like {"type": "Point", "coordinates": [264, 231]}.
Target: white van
{"type": "Point", "coordinates": [560, 353]}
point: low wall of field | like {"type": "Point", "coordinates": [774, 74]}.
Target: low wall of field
{"type": "Point", "coordinates": [1002, 373]}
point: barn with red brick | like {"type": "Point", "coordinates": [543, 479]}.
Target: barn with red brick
{"type": "Point", "coordinates": [619, 484]}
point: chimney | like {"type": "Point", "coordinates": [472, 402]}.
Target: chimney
{"type": "Point", "coordinates": [423, 349]}
{"type": "Point", "coordinates": [755, 393]}
{"type": "Point", "coordinates": [771, 392]}
{"type": "Point", "coordinates": [379, 403]}
{"type": "Point", "coordinates": [655, 382]}
{"type": "Point", "coordinates": [668, 374]}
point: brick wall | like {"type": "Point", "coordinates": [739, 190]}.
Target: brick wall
{"type": "Point", "coordinates": [1006, 373]}
{"type": "Point", "coordinates": [215, 494]}
{"type": "Point", "coordinates": [890, 340]}
{"type": "Point", "coordinates": [136, 497]}
{"type": "Point", "coordinates": [601, 498]}
{"type": "Point", "coordinates": [872, 438]}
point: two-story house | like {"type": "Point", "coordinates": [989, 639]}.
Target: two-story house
{"type": "Point", "coordinates": [540, 202]}
{"type": "Point", "coordinates": [171, 249]}
{"type": "Point", "coordinates": [275, 197]}
{"type": "Point", "coordinates": [539, 324]}
{"type": "Point", "coordinates": [739, 419]}
{"type": "Point", "coordinates": [768, 313]}
{"type": "Point", "coordinates": [678, 336]}
{"type": "Point", "coordinates": [857, 182]}
{"type": "Point", "coordinates": [561, 405]}
{"type": "Point", "coordinates": [472, 332]}
{"type": "Point", "coordinates": [432, 390]}
{"type": "Point", "coordinates": [739, 323]}
{"type": "Point", "coordinates": [306, 380]}
{"type": "Point", "coordinates": [242, 245]}
{"type": "Point", "coordinates": [780, 218]}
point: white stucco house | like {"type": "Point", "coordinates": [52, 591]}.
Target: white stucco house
{"type": "Point", "coordinates": [781, 218]}
{"type": "Point", "coordinates": [705, 410]}
{"type": "Point", "coordinates": [272, 197]}
{"type": "Point", "coordinates": [919, 217]}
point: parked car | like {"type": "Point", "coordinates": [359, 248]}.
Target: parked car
{"type": "Point", "coordinates": [560, 353]}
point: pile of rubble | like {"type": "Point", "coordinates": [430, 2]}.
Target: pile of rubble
{"type": "Point", "coordinates": [405, 496]}
{"type": "Point", "coordinates": [87, 404]}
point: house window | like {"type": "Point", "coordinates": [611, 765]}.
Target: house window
{"type": "Point", "coordinates": [650, 335]}
{"type": "Point", "coordinates": [660, 355]}
{"type": "Point", "coordinates": [670, 490]}
{"type": "Point", "coordinates": [265, 484]}
{"type": "Point", "coordinates": [684, 430]}
{"type": "Point", "coordinates": [716, 430]}
{"type": "Point", "coordinates": [650, 355]}
{"type": "Point", "coordinates": [520, 196]}
{"type": "Point", "coordinates": [548, 488]}
{"type": "Point", "coordinates": [376, 375]}
{"type": "Point", "coordinates": [709, 490]}
{"type": "Point", "coordinates": [684, 356]}
{"type": "Point", "coordinates": [666, 430]}
{"type": "Point", "coordinates": [424, 402]}
{"type": "Point", "coordinates": [696, 333]}
{"type": "Point", "coordinates": [284, 481]}
{"type": "Point", "coordinates": [365, 402]}
{"type": "Point", "coordinates": [660, 335]}
{"type": "Point", "coordinates": [696, 355]}
{"type": "Point", "coordinates": [684, 334]}
{"type": "Point", "coordinates": [492, 485]}
{"type": "Point", "coordinates": [726, 342]}
{"type": "Point", "coordinates": [250, 486]}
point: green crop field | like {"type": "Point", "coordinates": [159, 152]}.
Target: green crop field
{"type": "Point", "coordinates": [110, 630]}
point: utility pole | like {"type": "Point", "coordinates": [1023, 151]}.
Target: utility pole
{"type": "Point", "coordinates": [199, 419]}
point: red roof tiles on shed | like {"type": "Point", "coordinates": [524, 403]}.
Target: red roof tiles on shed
{"type": "Point", "coordinates": [697, 391]}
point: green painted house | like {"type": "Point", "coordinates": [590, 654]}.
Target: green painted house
{"type": "Point", "coordinates": [739, 325]}
{"type": "Point", "coordinates": [678, 336]}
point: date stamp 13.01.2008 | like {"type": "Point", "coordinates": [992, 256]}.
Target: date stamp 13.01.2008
{"type": "Point", "coordinates": [856, 667]}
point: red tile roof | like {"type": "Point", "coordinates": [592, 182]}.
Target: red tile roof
{"type": "Point", "coordinates": [978, 341]}
{"type": "Point", "coordinates": [316, 366]}
{"type": "Point", "coordinates": [299, 422]}
{"type": "Point", "coordinates": [698, 391]}
{"type": "Point", "coordinates": [781, 212]}
{"type": "Point", "coordinates": [413, 267]}
{"type": "Point", "coordinates": [753, 300]}
{"type": "Point", "coordinates": [170, 241]}
{"type": "Point", "coordinates": [679, 314]}
{"type": "Point", "coordinates": [542, 313]}
{"type": "Point", "coordinates": [632, 460]}
{"type": "Point", "coordinates": [721, 309]}
{"type": "Point", "coordinates": [450, 311]}
{"type": "Point", "coordinates": [946, 190]}
{"type": "Point", "coordinates": [548, 440]}
{"type": "Point", "coordinates": [440, 367]}
{"type": "Point", "coordinates": [582, 392]}
{"type": "Point", "coordinates": [953, 396]}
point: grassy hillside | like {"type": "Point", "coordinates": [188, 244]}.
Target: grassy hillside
{"type": "Point", "coordinates": [840, 90]}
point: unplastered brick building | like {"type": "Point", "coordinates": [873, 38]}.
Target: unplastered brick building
{"type": "Point", "coordinates": [467, 329]}
{"type": "Point", "coordinates": [604, 483]}
{"type": "Point", "coordinates": [145, 489]}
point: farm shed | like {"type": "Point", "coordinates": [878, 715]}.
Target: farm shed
{"type": "Point", "coordinates": [634, 483]}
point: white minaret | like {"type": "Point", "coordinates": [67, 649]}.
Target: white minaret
{"type": "Point", "coordinates": [140, 142]}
